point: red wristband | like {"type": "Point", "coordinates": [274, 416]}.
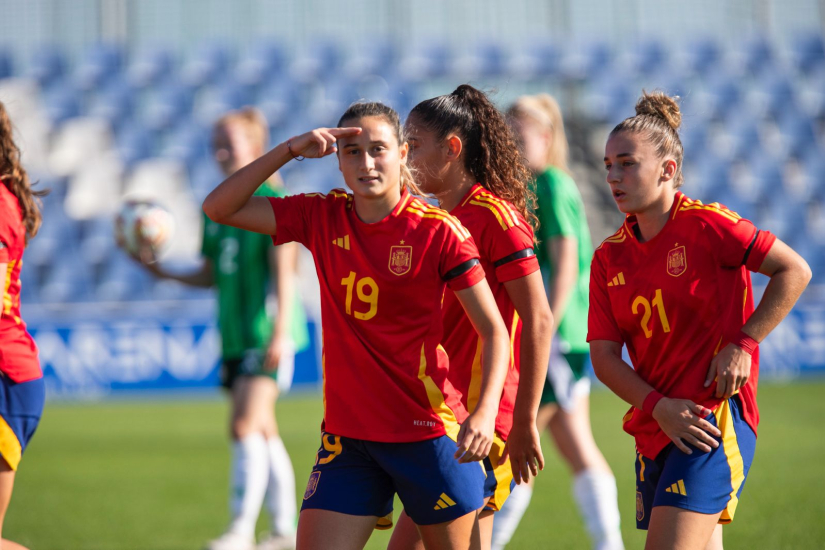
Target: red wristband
{"type": "Point", "coordinates": [299, 158]}
{"type": "Point", "coordinates": [651, 400]}
{"type": "Point", "coordinates": [748, 344]}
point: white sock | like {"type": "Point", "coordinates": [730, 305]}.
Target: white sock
{"type": "Point", "coordinates": [595, 493]}
{"type": "Point", "coordinates": [507, 519]}
{"type": "Point", "coordinates": [280, 494]}
{"type": "Point", "coordinates": [250, 461]}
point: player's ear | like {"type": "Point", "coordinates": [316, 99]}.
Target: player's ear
{"type": "Point", "coordinates": [453, 148]}
{"type": "Point", "coordinates": [669, 167]}
{"type": "Point", "coordinates": [403, 152]}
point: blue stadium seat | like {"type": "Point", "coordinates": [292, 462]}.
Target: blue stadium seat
{"type": "Point", "coordinates": [756, 56]}
{"type": "Point", "coordinates": [589, 62]}
{"type": "Point", "coordinates": [151, 67]}
{"type": "Point", "coordinates": [115, 103]}
{"type": "Point", "coordinates": [428, 59]}
{"type": "Point", "coordinates": [123, 279]}
{"type": "Point", "coordinates": [648, 56]}
{"type": "Point", "coordinates": [167, 105]}
{"type": "Point", "coordinates": [98, 241]}
{"type": "Point", "coordinates": [189, 143]}
{"type": "Point", "coordinates": [61, 103]}
{"type": "Point", "coordinates": [487, 59]}
{"type": "Point", "coordinates": [798, 134]}
{"type": "Point", "coordinates": [135, 143]}
{"type": "Point", "coordinates": [210, 63]}
{"type": "Point", "coordinates": [100, 64]}
{"type": "Point", "coordinates": [608, 100]}
{"type": "Point", "coordinates": [538, 58]}
{"type": "Point", "coordinates": [808, 51]}
{"type": "Point", "coordinates": [264, 61]}
{"type": "Point", "coordinates": [320, 61]}
{"type": "Point", "coordinates": [378, 56]}
{"type": "Point", "coordinates": [702, 56]}
{"type": "Point", "coordinates": [776, 94]}
{"type": "Point", "coordinates": [47, 66]}
{"type": "Point", "coordinates": [6, 64]}
{"type": "Point", "coordinates": [722, 92]}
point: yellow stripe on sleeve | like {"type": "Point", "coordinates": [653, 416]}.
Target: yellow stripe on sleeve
{"type": "Point", "coordinates": [495, 211]}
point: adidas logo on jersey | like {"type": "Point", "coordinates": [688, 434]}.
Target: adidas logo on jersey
{"type": "Point", "coordinates": [343, 242]}
{"type": "Point", "coordinates": [678, 488]}
{"type": "Point", "coordinates": [618, 280]}
{"type": "Point", "coordinates": [444, 502]}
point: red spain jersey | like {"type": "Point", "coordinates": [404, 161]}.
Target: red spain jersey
{"type": "Point", "coordinates": [384, 370]}
{"type": "Point", "coordinates": [505, 242]}
{"type": "Point", "coordinates": [675, 301]}
{"type": "Point", "coordinates": [18, 352]}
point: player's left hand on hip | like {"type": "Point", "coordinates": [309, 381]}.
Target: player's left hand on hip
{"type": "Point", "coordinates": [731, 367]}
{"type": "Point", "coordinates": [524, 450]}
{"type": "Point", "coordinates": [475, 438]}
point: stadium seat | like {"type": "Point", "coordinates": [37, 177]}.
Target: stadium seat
{"type": "Point", "coordinates": [808, 51]}
{"type": "Point", "coordinates": [648, 56]}
{"type": "Point", "coordinates": [323, 59]}
{"type": "Point", "coordinates": [755, 56]}
{"type": "Point", "coordinates": [6, 64]}
{"type": "Point", "coordinates": [797, 134]}
{"type": "Point", "coordinates": [213, 101]}
{"type": "Point", "coordinates": [210, 63]}
{"type": "Point", "coordinates": [167, 105]}
{"type": "Point", "coordinates": [123, 279]}
{"type": "Point", "coordinates": [98, 240]}
{"type": "Point", "coordinates": [79, 142]}
{"type": "Point", "coordinates": [115, 103]}
{"type": "Point", "coordinates": [588, 62]}
{"type": "Point", "coordinates": [101, 63]}
{"type": "Point", "coordinates": [61, 103]}
{"type": "Point", "coordinates": [486, 60]}
{"type": "Point", "coordinates": [47, 66]}
{"type": "Point", "coordinates": [378, 56]}
{"type": "Point", "coordinates": [188, 143]}
{"type": "Point", "coordinates": [95, 188]}
{"type": "Point", "coordinates": [535, 59]}
{"type": "Point", "coordinates": [428, 59]}
{"type": "Point", "coordinates": [150, 67]}
{"type": "Point", "coordinates": [701, 56]}
{"type": "Point", "coordinates": [266, 60]}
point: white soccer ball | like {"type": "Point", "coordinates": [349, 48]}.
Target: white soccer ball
{"type": "Point", "coordinates": [143, 223]}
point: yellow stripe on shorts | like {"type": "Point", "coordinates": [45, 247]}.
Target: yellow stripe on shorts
{"type": "Point", "coordinates": [724, 419]}
{"type": "Point", "coordinates": [10, 446]}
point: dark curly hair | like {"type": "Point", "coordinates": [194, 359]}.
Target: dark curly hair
{"type": "Point", "coordinates": [491, 152]}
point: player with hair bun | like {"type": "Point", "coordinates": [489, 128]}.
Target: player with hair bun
{"type": "Point", "coordinates": [393, 423]}
{"type": "Point", "coordinates": [464, 153]}
{"type": "Point", "coordinates": [22, 391]}
{"type": "Point", "coordinates": [673, 284]}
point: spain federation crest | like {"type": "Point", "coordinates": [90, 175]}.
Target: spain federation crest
{"type": "Point", "coordinates": [400, 259]}
{"type": "Point", "coordinates": [677, 261]}
{"type": "Point", "coordinates": [640, 507]}
{"type": "Point", "coordinates": [312, 485]}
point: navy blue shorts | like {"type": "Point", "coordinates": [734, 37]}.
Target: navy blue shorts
{"type": "Point", "coordinates": [360, 478]}
{"type": "Point", "coordinates": [499, 483]}
{"type": "Point", "coordinates": [702, 482]}
{"type": "Point", "coordinates": [21, 405]}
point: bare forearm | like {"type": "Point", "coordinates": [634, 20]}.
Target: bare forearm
{"type": "Point", "coordinates": [780, 295]}
{"type": "Point", "coordinates": [202, 278]}
{"type": "Point", "coordinates": [620, 377]}
{"type": "Point", "coordinates": [563, 252]}
{"type": "Point", "coordinates": [234, 192]}
{"type": "Point", "coordinates": [286, 258]}
{"type": "Point", "coordinates": [494, 364]}
{"type": "Point", "coordinates": [535, 355]}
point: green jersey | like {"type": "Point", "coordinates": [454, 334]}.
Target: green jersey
{"type": "Point", "coordinates": [242, 275]}
{"type": "Point", "coordinates": [561, 214]}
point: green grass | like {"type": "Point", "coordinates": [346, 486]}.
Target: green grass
{"type": "Point", "coordinates": [154, 475]}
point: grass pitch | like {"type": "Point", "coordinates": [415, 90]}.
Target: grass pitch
{"type": "Point", "coordinates": [154, 475]}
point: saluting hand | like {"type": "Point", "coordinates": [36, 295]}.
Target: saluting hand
{"type": "Point", "coordinates": [682, 420]}
{"type": "Point", "coordinates": [731, 367]}
{"type": "Point", "coordinates": [320, 142]}
{"type": "Point", "coordinates": [524, 449]}
{"type": "Point", "coordinates": [475, 438]}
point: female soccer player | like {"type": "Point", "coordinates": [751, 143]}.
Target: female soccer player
{"type": "Point", "coordinates": [392, 420]}
{"type": "Point", "coordinates": [465, 154]}
{"type": "Point", "coordinates": [673, 285]}
{"type": "Point", "coordinates": [564, 252]}
{"type": "Point", "coordinates": [22, 392]}
{"type": "Point", "coordinates": [258, 352]}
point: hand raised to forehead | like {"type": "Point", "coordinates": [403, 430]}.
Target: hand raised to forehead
{"type": "Point", "coordinates": [320, 142]}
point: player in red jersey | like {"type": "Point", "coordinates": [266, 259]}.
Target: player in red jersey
{"type": "Point", "coordinates": [466, 156]}
{"type": "Point", "coordinates": [673, 284]}
{"type": "Point", "coordinates": [22, 392]}
{"type": "Point", "coordinates": [392, 420]}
